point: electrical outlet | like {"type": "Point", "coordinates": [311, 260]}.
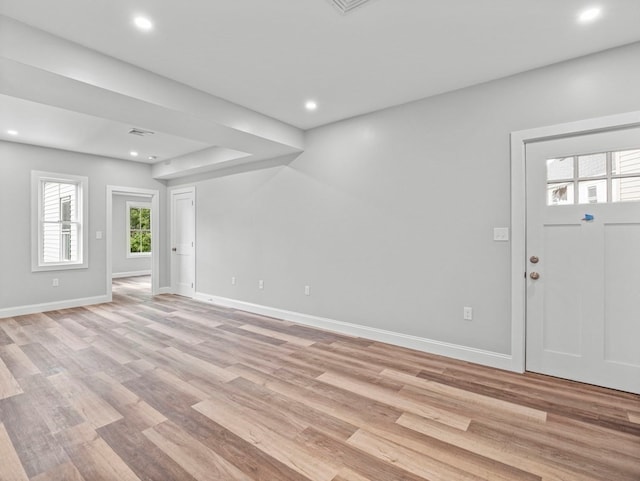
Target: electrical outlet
{"type": "Point", "coordinates": [467, 314]}
{"type": "Point", "coordinates": [260, 284]}
{"type": "Point", "coordinates": [55, 283]}
{"type": "Point", "coordinates": [307, 290]}
{"type": "Point", "coordinates": [233, 281]}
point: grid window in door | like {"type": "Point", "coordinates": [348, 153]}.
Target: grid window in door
{"type": "Point", "coordinates": [594, 178]}
{"type": "Point", "coordinates": [138, 229]}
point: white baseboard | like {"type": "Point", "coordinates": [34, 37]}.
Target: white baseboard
{"type": "Point", "coordinates": [165, 290]}
{"type": "Point", "coordinates": [117, 275]}
{"type": "Point", "coordinates": [51, 306]}
{"type": "Point", "coordinates": [455, 351]}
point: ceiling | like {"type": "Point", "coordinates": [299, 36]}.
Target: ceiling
{"type": "Point", "coordinates": [272, 56]}
{"type": "Point", "coordinates": [67, 130]}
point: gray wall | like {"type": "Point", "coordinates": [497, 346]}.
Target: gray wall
{"type": "Point", "coordinates": [119, 261]}
{"type": "Point", "coordinates": [18, 285]}
{"type": "Point", "coordinates": [390, 216]}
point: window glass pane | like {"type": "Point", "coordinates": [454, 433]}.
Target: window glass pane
{"type": "Point", "coordinates": [60, 242]}
{"type": "Point", "coordinates": [560, 193]}
{"type": "Point", "coordinates": [558, 169]}
{"type": "Point", "coordinates": [145, 219]}
{"type": "Point", "coordinates": [593, 165]}
{"type": "Point", "coordinates": [58, 202]}
{"type": "Point", "coordinates": [592, 191]}
{"type": "Point", "coordinates": [51, 202]}
{"type": "Point", "coordinates": [626, 162]}
{"type": "Point", "coordinates": [65, 208]}
{"type": "Point", "coordinates": [625, 189]}
{"type": "Point", "coordinates": [51, 242]}
{"type": "Point", "coordinates": [145, 242]}
{"type": "Point", "coordinates": [134, 218]}
{"type": "Point", "coordinates": [134, 241]}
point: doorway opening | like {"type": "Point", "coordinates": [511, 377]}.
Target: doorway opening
{"type": "Point", "coordinates": [132, 261]}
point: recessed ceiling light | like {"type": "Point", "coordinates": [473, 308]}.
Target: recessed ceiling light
{"type": "Point", "coordinates": [311, 105]}
{"type": "Point", "coordinates": [143, 23]}
{"type": "Point", "coordinates": [133, 153]}
{"type": "Point", "coordinates": [12, 132]}
{"type": "Point", "coordinates": [589, 15]}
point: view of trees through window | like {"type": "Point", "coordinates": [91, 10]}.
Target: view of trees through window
{"type": "Point", "coordinates": [139, 230]}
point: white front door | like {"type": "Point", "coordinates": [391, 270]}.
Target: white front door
{"type": "Point", "coordinates": [583, 258]}
{"type": "Point", "coordinates": [183, 229]}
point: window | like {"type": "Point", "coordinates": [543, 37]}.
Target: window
{"type": "Point", "coordinates": [594, 178]}
{"type": "Point", "coordinates": [138, 229]}
{"type": "Point", "coordinates": [59, 210]}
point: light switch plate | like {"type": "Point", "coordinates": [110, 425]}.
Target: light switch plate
{"type": "Point", "coordinates": [501, 234]}
{"type": "Point", "coordinates": [98, 234]}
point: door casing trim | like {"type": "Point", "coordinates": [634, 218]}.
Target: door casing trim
{"type": "Point", "coordinates": [519, 140]}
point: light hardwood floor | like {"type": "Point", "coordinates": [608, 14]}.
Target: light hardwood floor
{"type": "Point", "coordinates": [171, 389]}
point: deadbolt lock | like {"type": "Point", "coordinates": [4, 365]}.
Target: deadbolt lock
{"type": "Point", "coordinates": [534, 259]}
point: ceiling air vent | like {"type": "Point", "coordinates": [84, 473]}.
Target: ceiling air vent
{"type": "Point", "coordinates": [140, 132]}
{"type": "Point", "coordinates": [345, 6]}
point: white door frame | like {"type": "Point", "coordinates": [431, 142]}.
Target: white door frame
{"type": "Point", "coordinates": [519, 140]}
{"type": "Point", "coordinates": [155, 234]}
{"type": "Point", "coordinates": [180, 190]}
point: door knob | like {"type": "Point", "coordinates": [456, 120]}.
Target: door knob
{"type": "Point", "coordinates": [534, 259]}
{"type": "Point", "coordinates": [534, 276]}
{"type": "Point", "coordinates": [174, 249]}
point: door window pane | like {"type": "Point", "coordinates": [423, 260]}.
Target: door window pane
{"type": "Point", "coordinates": [594, 165]}
{"type": "Point", "coordinates": [560, 193]}
{"type": "Point", "coordinates": [625, 189]}
{"type": "Point", "coordinates": [625, 162]}
{"type": "Point", "coordinates": [592, 191]}
{"type": "Point", "coordinates": [560, 169]}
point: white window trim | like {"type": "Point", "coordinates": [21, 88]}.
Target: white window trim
{"type": "Point", "coordinates": [37, 177]}
{"type": "Point", "coordinates": [143, 205]}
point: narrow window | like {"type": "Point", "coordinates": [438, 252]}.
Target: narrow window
{"type": "Point", "coordinates": [138, 229]}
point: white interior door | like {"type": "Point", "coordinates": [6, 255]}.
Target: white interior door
{"type": "Point", "coordinates": [583, 258]}
{"type": "Point", "coordinates": [183, 229]}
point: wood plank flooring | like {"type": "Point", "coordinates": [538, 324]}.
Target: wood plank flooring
{"type": "Point", "coordinates": [165, 388]}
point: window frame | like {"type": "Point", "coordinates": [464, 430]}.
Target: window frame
{"type": "Point", "coordinates": [38, 178]}
{"type": "Point", "coordinates": [137, 205]}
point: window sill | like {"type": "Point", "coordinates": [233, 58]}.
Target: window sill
{"type": "Point", "coordinates": [138, 256]}
{"type": "Point", "coordinates": [58, 267]}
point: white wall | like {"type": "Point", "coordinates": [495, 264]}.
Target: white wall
{"type": "Point", "coordinates": [121, 264]}
{"type": "Point", "coordinates": [18, 285]}
{"type": "Point", "coordinates": [389, 216]}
